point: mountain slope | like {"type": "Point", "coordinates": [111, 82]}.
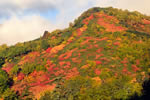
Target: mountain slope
{"type": "Point", "coordinates": [104, 54]}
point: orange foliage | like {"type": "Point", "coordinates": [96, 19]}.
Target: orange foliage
{"type": "Point", "coordinates": [54, 37]}
{"type": "Point", "coordinates": [81, 30]}
{"type": "Point", "coordinates": [20, 76]}
{"type": "Point", "coordinates": [66, 55]}
{"type": "Point", "coordinates": [29, 58]}
{"type": "Point", "coordinates": [97, 79]}
{"type": "Point", "coordinates": [97, 71]}
{"type": "Point", "coordinates": [19, 87]}
{"type": "Point", "coordinates": [104, 20]}
{"type": "Point", "coordinates": [145, 21]}
{"type": "Point", "coordinates": [37, 90]}
{"type": "Point", "coordinates": [72, 73]}
{"type": "Point", "coordinates": [57, 48]}
{"type": "Point", "coordinates": [117, 43]}
{"type": "Point", "coordinates": [76, 60]}
{"type": "Point", "coordinates": [104, 38]}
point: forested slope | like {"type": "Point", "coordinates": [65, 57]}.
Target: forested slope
{"type": "Point", "coordinates": [103, 55]}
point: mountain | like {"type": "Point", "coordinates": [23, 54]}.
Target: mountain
{"type": "Point", "coordinates": [103, 55]}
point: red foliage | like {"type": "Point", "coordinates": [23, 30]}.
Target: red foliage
{"type": "Point", "coordinates": [125, 65]}
{"type": "Point", "coordinates": [65, 64]}
{"type": "Point", "coordinates": [8, 67]}
{"type": "Point", "coordinates": [79, 54]}
{"type": "Point", "coordinates": [96, 45]}
{"type": "Point", "coordinates": [51, 69]}
{"type": "Point", "coordinates": [35, 73]}
{"type": "Point", "coordinates": [48, 50]}
{"type": "Point", "coordinates": [20, 76]}
{"type": "Point", "coordinates": [61, 63]}
{"type": "Point", "coordinates": [98, 62]}
{"type": "Point", "coordinates": [79, 32]}
{"type": "Point", "coordinates": [104, 38]}
{"type": "Point", "coordinates": [124, 61]}
{"type": "Point", "coordinates": [83, 50]}
{"type": "Point", "coordinates": [125, 70]}
{"type": "Point", "coordinates": [86, 21]}
{"type": "Point", "coordinates": [135, 68]}
{"type": "Point", "coordinates": [97, 56]}
{"type": "Point", "coordinates": [97, 71]}
{"type": "Point", "coordinates": [84, 42]}
{"type": "Point", "coordinates": [137, 62]}
{"type": "Point", "coordinates": [48, 64]}
{"type": "Point", "coordinates": [60, 72]}
{"type": "Point", "coordinates": [105, 60]}
{"type": "Point", "coordinates": [90, 46]}
{"type": "Point", "coordinates": [60, 58]}
{"type": "Point", "coordinates": [99, 50]}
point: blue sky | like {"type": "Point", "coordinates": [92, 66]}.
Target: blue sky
{"type": "Point", "coordinates": [23, 20]}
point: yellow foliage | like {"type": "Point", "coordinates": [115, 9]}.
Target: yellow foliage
{"type": "Point", "coordinates": [84, 66]}
{"type": "Point", "coordinates": [64, 42]}
{"type": "Point", "coordinates": [149, 70]}
{"type": "Point", "coordinates": [97, 80]}
{"type": "Point", "coordinates": [14, 79]}
{"type": "Point", "coordinates": [71, 38]}
{"type": "Point", "coordinates": [29, 79]}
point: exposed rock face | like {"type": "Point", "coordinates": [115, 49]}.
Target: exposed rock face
{"type": "Point", "coordinates": [46, 34]}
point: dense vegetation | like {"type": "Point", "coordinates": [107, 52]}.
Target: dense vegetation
{"type": "Point", "coordinates": [103, 55]}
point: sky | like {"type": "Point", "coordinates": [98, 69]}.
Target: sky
{"type": "Point", "coordinates": [24, 20]}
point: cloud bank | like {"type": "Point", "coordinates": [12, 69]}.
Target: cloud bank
{"type": "Point", "coordinates": [23, 20]}
{"type": "Point", "coordinates": [24, 29]}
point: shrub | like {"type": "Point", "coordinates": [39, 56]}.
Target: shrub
{"type": "Point", "coordinates": [28, 68]}
{"type": "Point", "coordinates": [10, 95]}
{"type": "Point", "coordinates": [4, 81]}
{"type": "Point", "coordinates": [44, 44]}
{"type": "Point", "coordinates": [14, 70]}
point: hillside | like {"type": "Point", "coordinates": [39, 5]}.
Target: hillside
{"type": "Point", "coordinates": [103, 55]}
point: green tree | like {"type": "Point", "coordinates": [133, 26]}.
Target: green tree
{"type": "Point", "coordinates": [4, 81]}
{"type": "Point", "coordinates": [44, 44]}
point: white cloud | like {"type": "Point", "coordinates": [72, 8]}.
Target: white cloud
{"type": "Point", "coordinates": [132, 5]}
{"type": "Point", "coordinates": [139, 5]}
{"type": "Point", "coordinates": [27, 28]}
